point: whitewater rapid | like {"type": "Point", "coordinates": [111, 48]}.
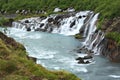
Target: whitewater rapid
{"type": "Point", "coordinates": [58, 51]}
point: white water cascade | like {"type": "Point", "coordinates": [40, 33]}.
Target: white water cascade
{"type": "Point", "coordinates": [59, 51]}
{"type": "Point", "coordinates": [83, 23]}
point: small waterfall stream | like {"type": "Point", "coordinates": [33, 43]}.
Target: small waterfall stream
{"type": "Point", "coordinates": [58, 51]}
{"type": "Point", "coordinates": [69, 24]}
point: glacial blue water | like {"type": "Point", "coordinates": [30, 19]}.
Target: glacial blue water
{"type": "Point", "coordinates": [57, 52]}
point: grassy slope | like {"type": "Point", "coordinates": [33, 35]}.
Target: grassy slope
{"type": "Point", "coordinates": [14, 64]}
{"type": "Point", "coordinates": [107, 8]}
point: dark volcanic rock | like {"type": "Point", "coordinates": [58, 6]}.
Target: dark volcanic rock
{"type": "Point", "coordinates": [26, 21]}
{"type": "Point", "coordinates": [80, 17]}
{"type": "Point", "coordinates": [50, 20]}
{"type": "Point", "coordinates": [43, 17]}
{"type": "Point", "coordinates": [81, 60]}
{"type": "Point", "coordinates": [28, 29]}
{"type": "Point", "coordinates": [111, 50]}
{"type": "Point", "coordinates": [41, 25]}
{"type": "Point", "coordinates": [58, 17]}
{"type": "Point", "coordinates": [72, 24]}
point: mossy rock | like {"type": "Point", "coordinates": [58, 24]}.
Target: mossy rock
{"type": "Point", "coordinates": [78, 36]}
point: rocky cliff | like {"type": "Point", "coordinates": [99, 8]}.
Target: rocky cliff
{"type": "Point", "coordinates": [110, 46]}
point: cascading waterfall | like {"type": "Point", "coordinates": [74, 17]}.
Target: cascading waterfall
{"type": "Point", "coordinates": [73, 23]}
{"type": "Point", "coordinates": [60, 52]}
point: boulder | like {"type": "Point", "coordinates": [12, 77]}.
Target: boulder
{"type": "Point", "coordinates": [72, 24]}
{"type": "Point", "coordinates": [80, 17]}
{"type": "Point", "coordinates": [27, 21]}
{"type": "Point", "coordinates": [28, 29]}
{"type": "Point", "coordinates": [50, 20]}
{"type": "Point", "coordinates": [41, 25]}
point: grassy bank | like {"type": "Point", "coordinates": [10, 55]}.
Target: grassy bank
{"type": "Point", "coordinates": [107, 8]}
{"type": "Point", "coordinates": [14, 64]}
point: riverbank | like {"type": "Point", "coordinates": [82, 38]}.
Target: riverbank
{"type": "Point", "coordinates": [14, 64]}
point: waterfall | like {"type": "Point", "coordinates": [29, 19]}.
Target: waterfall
{"type": "Point", "coordinates": [83, 22]}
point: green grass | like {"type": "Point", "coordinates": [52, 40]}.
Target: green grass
{"type": "Point", "coordinates": [114, 36]}
{"type": "Point", "coordinates": [3, 20]}
{"type": "Point", "coordinates": [14, 65]}
{"type": "Point", "coordinates": [107, 8]}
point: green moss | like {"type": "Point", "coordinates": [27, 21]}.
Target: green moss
{"type": "Point", "coordinates": [78, 36]}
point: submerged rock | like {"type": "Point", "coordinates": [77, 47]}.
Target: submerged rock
{"type": "Point", "coordinates": [84, 60]}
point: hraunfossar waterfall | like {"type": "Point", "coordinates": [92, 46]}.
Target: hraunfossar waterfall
{"type": "Point", "coordinates": [51, 41]}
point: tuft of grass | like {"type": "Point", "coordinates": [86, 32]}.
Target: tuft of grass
{"type": "Point", "coordinates": [114, 36]}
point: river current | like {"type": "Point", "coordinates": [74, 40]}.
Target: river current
{"type": "Point", "coordinates": [57, 52]}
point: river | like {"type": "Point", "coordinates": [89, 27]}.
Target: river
{"type": "Point", "coordinates": [57, 52]}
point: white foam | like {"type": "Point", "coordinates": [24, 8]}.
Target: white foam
{"type": "Point", "coordinates": [57, 68]}
{"type": "Point", "coordinates": [114, 76]}
{"type": "Point", "coordinates": [41, 54]}
{"type": "Point", "coordinates": [82, 55]}
{"type": "Point", "coordinates": [81, 69]}
{"type": "Point", "coordinates": [35, 36]}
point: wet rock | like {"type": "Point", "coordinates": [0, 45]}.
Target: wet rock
{"type": "Point", "coordinates": [51, 29]}
{"type": "Point", "coordinates": [88, 17]}
{"type": "Point", "coordinates": [50, 20]}
{"type": "Point", "coordinates": [27, 21]}
{"type": "Point", "coordinates": [38, 29]}
{"type": "Point", "coordinates": [57, 23]}
{"type": "Point", "coordinates": [111, 50]}
{"type": "Point", "coordinates": [72, 24]}
{"type": "Point", "coordinates": [84, 60]}
{"type": "Point", "coordinates": [28, 29]}
{"type": "Point", "coordinates": [43, 17]}
{"type": "Point", "coordinates": [80, 17]}
{"type": "Point", "coordinates": [58, 17]}
{"type": "Point", "coordinates": [81, 61]}
{"type": "Point", "coordinates": [78, 36]}
{"type": "Point", "coordinates": [41, 25]}
{"type": "Point", "coordinates": [79, 58]}
{"type": "Point", "coordinates": [84, 15]}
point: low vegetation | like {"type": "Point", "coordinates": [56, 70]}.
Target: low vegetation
{"type": "Point", "coordinates": [14, 64]}
{"type": "Point", "coordinates": [114, 36]}
{"type": "Point", "coordinates": [107, 8]}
